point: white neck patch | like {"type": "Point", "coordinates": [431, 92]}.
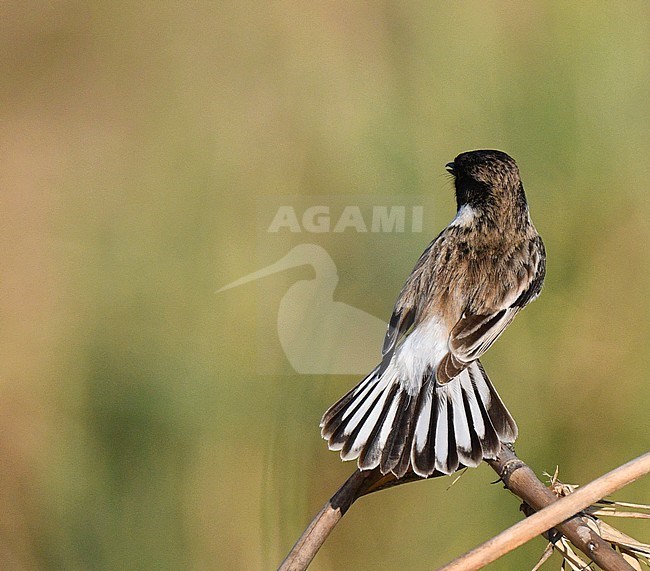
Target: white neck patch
{"type": "Point", "coordinates": [464, 217]}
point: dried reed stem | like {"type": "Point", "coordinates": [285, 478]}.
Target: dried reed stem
{"type": "Point", "coordinates": [519, 479]}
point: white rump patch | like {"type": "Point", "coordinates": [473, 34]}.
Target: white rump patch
{"type": "Point", "coordinates": [421, 351]}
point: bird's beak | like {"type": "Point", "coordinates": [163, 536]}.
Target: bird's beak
{"type": "Point", "coordinates": [450, 168]}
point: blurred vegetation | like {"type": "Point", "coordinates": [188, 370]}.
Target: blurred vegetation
{"type": "Point", "coordinates": [137, 140]}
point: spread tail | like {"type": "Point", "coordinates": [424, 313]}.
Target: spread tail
{"type": "Point", "coordinates": [439, 429]}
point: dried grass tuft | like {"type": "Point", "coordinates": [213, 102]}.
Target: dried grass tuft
{"type": "Point", "coordinates": [634, 552]}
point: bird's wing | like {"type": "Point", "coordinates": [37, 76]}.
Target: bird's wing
{"type": "Point", "coordinates": [409, 304]}
{"type": "Point", "coordinates": [400, 323]}
{"type": "Point", "coordinates": [475, 332]}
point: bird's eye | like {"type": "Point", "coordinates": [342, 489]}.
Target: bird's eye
{"type": "Point", "coordinates": [450, 168]}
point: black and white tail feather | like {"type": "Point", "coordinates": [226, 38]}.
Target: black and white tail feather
{"type": "Point", "coordinates": [437, 429]}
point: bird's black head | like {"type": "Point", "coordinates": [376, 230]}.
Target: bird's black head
{"type": "Point", "coordinates": [487, 180]}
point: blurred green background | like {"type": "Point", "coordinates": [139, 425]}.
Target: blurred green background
{"type": "Point", "coordinates": [136, 142]}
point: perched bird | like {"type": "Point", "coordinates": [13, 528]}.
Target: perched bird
{"type": "Point", "coordinates": [429, 404]}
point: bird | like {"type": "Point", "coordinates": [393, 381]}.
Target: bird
{"type": "Point", "coordinates": [429, 405]}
